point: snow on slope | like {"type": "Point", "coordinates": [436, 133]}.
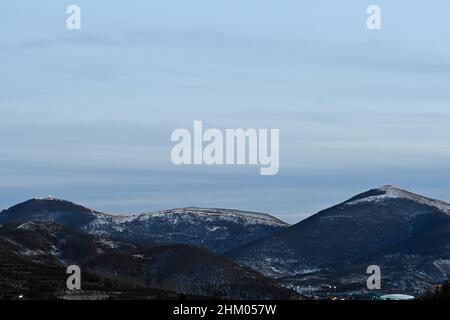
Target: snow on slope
{"type": "Point", "coordinates": [391, 192]}
{"type": "Point", "coordinates": [209, 214]}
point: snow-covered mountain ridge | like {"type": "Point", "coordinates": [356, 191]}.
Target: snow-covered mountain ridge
{"type": "Point", "coordinates": [392, 192]}
{"type": "Point", "coordinates": [218, 230]}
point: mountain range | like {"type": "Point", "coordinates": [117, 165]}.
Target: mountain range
{"type": "Point", "coordinates": [217, 230]}
{"type": "Point", "coordinates": [227, 254]}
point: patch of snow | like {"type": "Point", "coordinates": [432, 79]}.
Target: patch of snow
{"type": "Point", "coordinates": [28, 252]}
{"type": "Point", "coordinates": [14, 243]}
{"type": "Point", "coordinates": [111, 244]}
{"type": "Point", "coordinates": [443, 265]}
{"type": "Point", "coordinates": [29, 225]}
{"type": "Point", "coordinates": [215, 228]}
{"type": "Point", "coordinates": [275, 270]}
{"type": "Point", "coordinates": [54, 251]}
{"type": "Point", "coordinates": [126, 219]}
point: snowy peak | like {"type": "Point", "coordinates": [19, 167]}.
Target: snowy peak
{"type": "Point", "coordinates": [391, 192]}
{"type": "Point", "coordinates": [395, 192]}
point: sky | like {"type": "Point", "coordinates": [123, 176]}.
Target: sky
{"type": "Point", "coordinates": [86, 115]}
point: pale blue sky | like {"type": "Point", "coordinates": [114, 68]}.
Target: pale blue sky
{"type": "Point", "coordinates": [87, 115]}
